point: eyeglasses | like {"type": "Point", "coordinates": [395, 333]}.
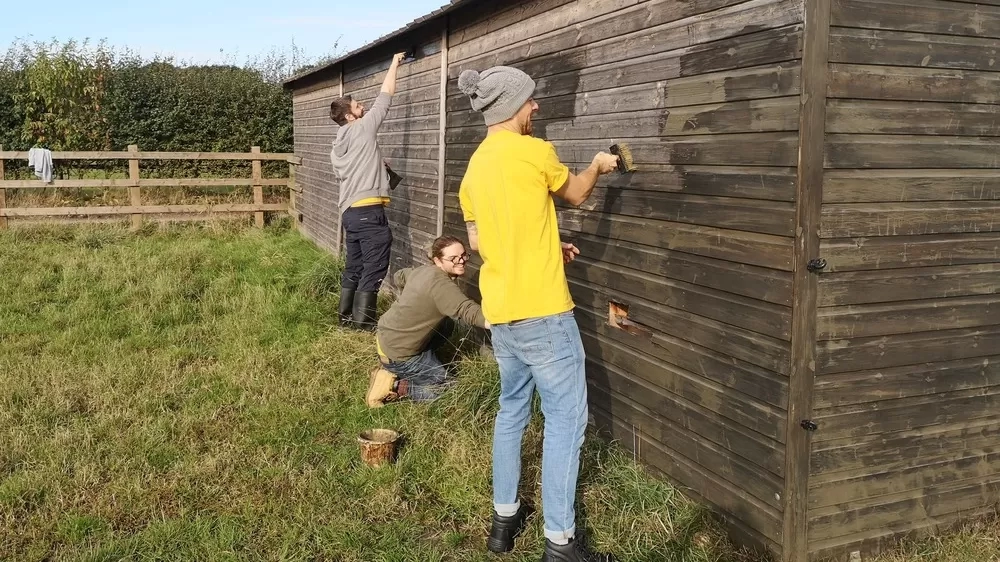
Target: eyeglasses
{"type": "Point", "coordinates": [457, 259]}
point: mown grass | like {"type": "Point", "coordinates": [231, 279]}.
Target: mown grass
{"type": "Point", "coordinates": [183, 394]}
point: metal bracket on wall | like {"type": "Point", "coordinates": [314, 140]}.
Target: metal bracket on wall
{"type": "Point", "coordinates": [809, 425]}
{"type": "Point", "coordinates": [815, 265]}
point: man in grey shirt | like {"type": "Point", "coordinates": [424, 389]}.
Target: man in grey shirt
{"type": "Point", "coordinates": [364, 193]}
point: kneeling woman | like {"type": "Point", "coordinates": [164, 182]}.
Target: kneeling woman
{"type": "Point", "coordinates": [427, 297]}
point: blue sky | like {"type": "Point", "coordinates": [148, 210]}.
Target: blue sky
{"type": "Point", "coordinates": [195, 30]}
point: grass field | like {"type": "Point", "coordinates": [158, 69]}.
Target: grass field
{"type": "Point", "coordinates": [183, 394]}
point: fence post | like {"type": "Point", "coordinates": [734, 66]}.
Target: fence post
{"type": "Point", "coordinates": [258, 190]}
{"type": "Point", "coordinates": [292, 190]}
{"type": "Point", "coordinates": [3, 195]}
{"type": "Point", "coordinates": [135, 195]}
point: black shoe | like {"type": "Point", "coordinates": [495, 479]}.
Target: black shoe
{"type": "Point", "coordinates": [505, 529]}
{"type": "Point", "coordinates": [364, 310]}
{"type": "Point", "coordinates": [575, 551]}
{"type": "Point", "coordinates": [346, 309]}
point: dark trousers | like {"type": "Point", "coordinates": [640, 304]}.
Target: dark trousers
{"type": "Point", "coordinates": [369, 241]}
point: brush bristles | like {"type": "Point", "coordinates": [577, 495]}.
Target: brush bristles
{"type": "Point", "coordinates": [625, 162]}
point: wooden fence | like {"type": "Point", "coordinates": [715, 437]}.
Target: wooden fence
{"type": "Point", "coordinates": [135, 184]}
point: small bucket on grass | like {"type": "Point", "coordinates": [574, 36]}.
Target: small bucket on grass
{"type": "Point", "coordinates": [378, 446]}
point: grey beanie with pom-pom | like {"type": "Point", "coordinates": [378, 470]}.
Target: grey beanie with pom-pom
{"type": "Point", "coordinates": [498, 92]}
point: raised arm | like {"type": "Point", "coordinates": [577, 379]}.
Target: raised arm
{"type": "Point", "coordinates": [389, 84]}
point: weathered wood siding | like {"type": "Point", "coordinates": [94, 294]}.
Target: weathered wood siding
{"type": "Point", "coordinates": [697, 244]}
{"type": "Point", "coordinates": [314, 134]}
{"type": "Point", "coordinates": [907, 392]}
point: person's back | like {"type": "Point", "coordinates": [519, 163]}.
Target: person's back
{"type": "Point", "coordinates": [363, 193]}
{"type": "Point", "coordinates": [523, 274]}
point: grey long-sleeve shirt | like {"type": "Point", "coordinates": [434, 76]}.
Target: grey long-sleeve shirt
{"type": "Point", "coordinates": [357, 159]}
{"type": "Point", "coordinates": [428, 295]}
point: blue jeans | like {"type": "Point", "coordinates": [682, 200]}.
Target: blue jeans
{"type": "Point", "coordinates": [547, 354]}
{"type": "Point", "coordinates": [428, 378]}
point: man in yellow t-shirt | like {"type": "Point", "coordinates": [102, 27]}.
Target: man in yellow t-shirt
{"type": "Point", "coordinates": [506, 199]}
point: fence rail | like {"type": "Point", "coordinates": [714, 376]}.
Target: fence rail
{"type": "Point", "coordinates": [135, 184]}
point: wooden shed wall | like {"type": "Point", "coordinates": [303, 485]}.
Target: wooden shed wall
{"type": "Point", "coordinates": [314, 134]}
{"type": "Point", "coordinates": [908, 381]}
{"type": "Point", "coordinates": [698, 243]}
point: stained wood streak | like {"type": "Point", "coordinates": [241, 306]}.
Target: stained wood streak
{"type": "Point", "coordinates": [838, 356]}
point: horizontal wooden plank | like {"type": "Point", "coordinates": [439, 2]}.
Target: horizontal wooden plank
{"type": "Point", "coordinates": [906, 413]}
{"type": "Point", "coordinates": [891, 252]}
{"type": "Point", "coordinates": [850, 457]}
{"type": "Point", "coordinates": [894, 48]}
{"type": "Point", "coordinates": [735, 407]}
{"type": "Point", "coordinates": [716, 460]}
{"type": "Point", "coordinates": [832, 391]}
{"type": "Point", "coordinates": [742, 247]}
{"type": "Point", "coordinates": [847, 491]}
{"type": "Point", "coordinates": [883, 319]}
{"type": "Point", "coordinates": [683, 414]}
{"type": "Point", "coordinates": [862, 186]}
{"type": "Point", "coordinates": [144, 182]}
{"type": "Point", "coordinates": [649, 28]}
{"type": "Point", "coordinates": [757, 349]}
{"type": "Point", "coordinates": [761, 48]}
{"type": "Point", "coordinates": [903, 509]}
{"type": "Point", "coordinates": [572, 15]}
{"type": "Point", "coordinates": [843, 220]}
{"type": "Point", "coordinates": [146, 155]}
{"type": "Point", "coordinates": [144, 209]}
{"type": "Point", "coordinates": [737, 214]}
{"type": "Point", "coordinates": [753, 149]}
{"type": "Point", "coordinates": [466, 25]}
{"type": "Point", "coordinates": [911, 151]}
{"type": "Point", "coordinates": [923, 16]}
{"type": "Point", "coordinates": [671, 467]}
{"type": "Point", "coordinates": [912, 118]}
{"type": "Point", "coordinates": [764, 318]}
{"type": "Point", "coordinates": [765, 183]}
{"type": "Point", "coordinates": [913, 84]}
{"type": "Point", "coordinates": [751, 281]}
{"type": "Point", "coordinates": [839, 356]}
{"type": "Point", "coordinates": [866, 287]}
{"type": "Point", "coordinates": [771, 81]}
{"type": "Point", "coordinates": [872, 542]}
{"type": "Point", "coordinates": [763, 385]}
{"type": "Point", "coordinates": [768, 115]}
